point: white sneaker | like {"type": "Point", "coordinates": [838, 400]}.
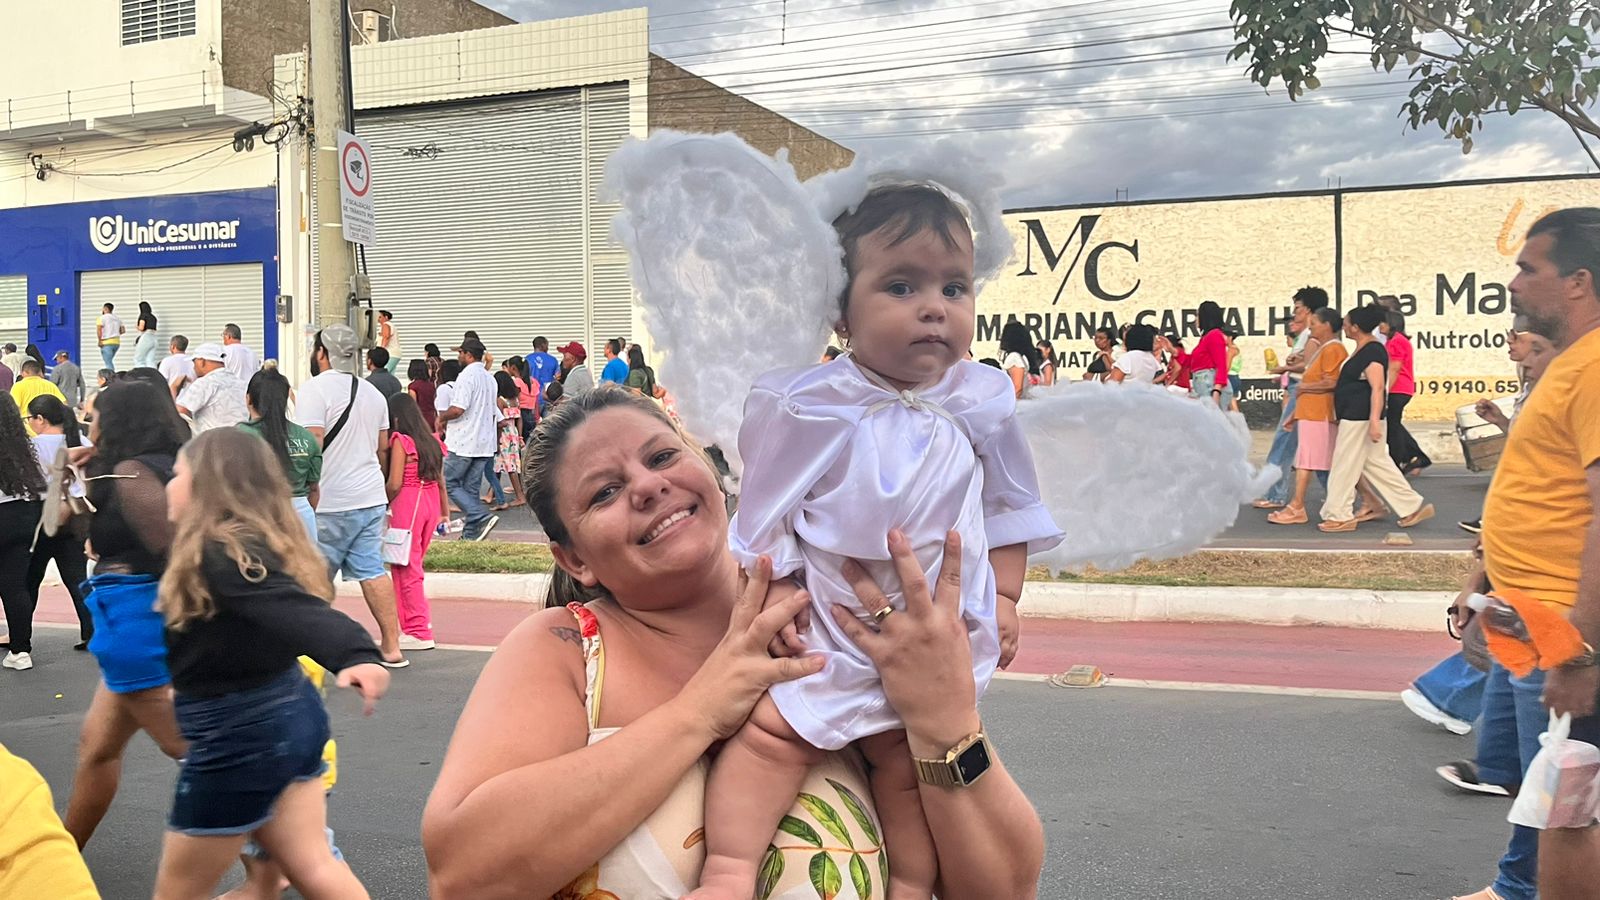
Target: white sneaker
{"type": "Point", "coordinates": [407, 642]}
{"type": "Point", "coordinates": [18, 661]}
{"type": "Point", "coordinates": [1427, 712]}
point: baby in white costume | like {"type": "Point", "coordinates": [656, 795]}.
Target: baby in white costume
{"type": "Point", "coordinates": [902, 433]}
{"type": "Point", "coordinates": [834, 458]}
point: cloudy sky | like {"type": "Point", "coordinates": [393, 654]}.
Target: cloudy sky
{"type": "Point", "coordinates": [1077, 99]}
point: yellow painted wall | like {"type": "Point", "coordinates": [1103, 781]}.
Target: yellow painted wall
{"type": "Point", "coordinates": [1447, 251]}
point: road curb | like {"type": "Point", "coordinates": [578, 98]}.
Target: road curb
{"type": "Point", "coordinates": [1395, 610]}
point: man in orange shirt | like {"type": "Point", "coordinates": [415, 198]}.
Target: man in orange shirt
{"type": "Point", "coordinates": [1541, 535]}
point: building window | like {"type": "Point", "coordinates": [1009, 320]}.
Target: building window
{"type": "Point", "coordinates": [155, 20]}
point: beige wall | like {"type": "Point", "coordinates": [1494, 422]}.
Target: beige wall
{"type": "Point", "coordinates": [254, 31]}
{"type": "Point", "coordinates": [683, 101]}
{"type": "Point", "coordinates": [1447, 250]}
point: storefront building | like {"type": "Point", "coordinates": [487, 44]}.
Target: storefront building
{"type": "Point", "coordinates": [201, 261]}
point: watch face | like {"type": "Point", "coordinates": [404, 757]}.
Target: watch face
{"type": "Point", "coordinates": [973, 762]}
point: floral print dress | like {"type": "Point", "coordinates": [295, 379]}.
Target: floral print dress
{"type": "Point", "coordinates": [828, 846]}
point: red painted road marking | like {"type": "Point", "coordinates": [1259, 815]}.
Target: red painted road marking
{"type": "Point", "coordinates": [1301, 657]}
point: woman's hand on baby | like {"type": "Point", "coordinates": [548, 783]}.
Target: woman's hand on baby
{"type": "Point", "coordinates": [739, 669]}
{"type": "Point", "coordinates": [370, 680]}
{"type": "Point", "coordinates": [789, 641]}
{"type": "Point", "coordinates": [921, 653]}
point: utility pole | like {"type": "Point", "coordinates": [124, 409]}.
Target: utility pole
{"type": "Point", "coordinates": [331, 108]}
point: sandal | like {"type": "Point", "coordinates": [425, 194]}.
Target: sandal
{"type": "Point", "coordinates": [1464, 775]}
{"type": "Point", "coordinates": [1370, 515]}
{"type": "Point", "coordinates": [1267, 504]}
{"type": "Point", "coordinates": [1332, 526]}
{"type": "Point", "coordinates": [1289, 516]}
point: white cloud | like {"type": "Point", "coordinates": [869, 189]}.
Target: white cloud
{"type": "Point", "coordinates": [1166, 115]}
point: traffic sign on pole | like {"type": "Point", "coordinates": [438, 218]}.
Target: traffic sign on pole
{"type": "Point", "coordinates": [355, 190]}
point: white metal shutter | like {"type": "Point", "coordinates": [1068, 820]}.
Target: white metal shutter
{"type": "Point", "coordinates": [611, 292]}
{"type": "Point", "coordinates": [123, 289]}
{"type": "Point", "coordinates": [14, 310]}
{"type": "Point", "coordinates": [194, 301]}
{"type": "Point", "coordinates": [486, 218]}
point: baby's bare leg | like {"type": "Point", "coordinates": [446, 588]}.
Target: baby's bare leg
{"type": "Point", "coordinates": [753, 783]}
{"type": "Point", "coordinates": [913, 862]}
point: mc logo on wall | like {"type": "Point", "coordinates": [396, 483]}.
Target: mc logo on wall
{"type": "Point", "coordinates": [1447, 251]}
{"type": "Point", "coordinates": [109, 233]}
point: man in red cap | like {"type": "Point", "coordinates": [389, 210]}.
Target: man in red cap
{"type": "Point", "coordinates": [575, 376]}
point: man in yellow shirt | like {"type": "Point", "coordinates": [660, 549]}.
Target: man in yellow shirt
{"type": "Point", "coordinates": [1541, 535]}
{"type": "Point", "coordinates": [33, 384]}
{"type": "Point", "coordinates": [37, 856]}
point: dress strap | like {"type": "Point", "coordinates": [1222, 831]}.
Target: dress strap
{"type": "Point", "coordinates": [594, 660]}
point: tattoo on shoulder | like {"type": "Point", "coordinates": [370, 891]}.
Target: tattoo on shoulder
{"type": "Point", "coordinates": [568, 634]}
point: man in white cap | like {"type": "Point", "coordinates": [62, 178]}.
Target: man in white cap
{"type": "Point", "coordinates": [216, 397]}
{"type": "Point", "coordinates": [351, 419]}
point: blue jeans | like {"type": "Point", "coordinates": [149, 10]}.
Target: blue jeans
{"type": "Point", "coordinates": [1455, 687]}
{"type": "Point", "coordinates": [307, 514]}
{"type": "Point", "coordinates": [108, 354]}
{"type": "Point", "coordinates": [463, 476]}
{"type": "Point", "coordinates": [1284, 445]}
{"type": "Point", "coordinates": [1508, 740]}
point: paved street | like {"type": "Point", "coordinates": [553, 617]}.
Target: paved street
{"type": "Point", "coordinates": [1146, 794]}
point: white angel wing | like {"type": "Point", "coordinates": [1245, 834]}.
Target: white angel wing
{"type": "Point", "coordinates": [1135, 472]}
{"type": "Point", "coordinates": [735, 270]}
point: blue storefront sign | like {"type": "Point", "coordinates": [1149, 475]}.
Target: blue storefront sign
{"type": "Point", "coordinates": [53, 245]}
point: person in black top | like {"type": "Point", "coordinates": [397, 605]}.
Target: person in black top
{"type": "Point", "coordinates": [136, 436]}
{"type": "Point", "coordinates": [21, 497]}
{"type": "Point", "coordinates": [244, 594]}
{"type": "Point", "coordinates": [1361, 449]}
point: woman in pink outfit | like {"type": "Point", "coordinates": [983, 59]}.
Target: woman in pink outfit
{"type": "Point", "coordinates": [416, 501]}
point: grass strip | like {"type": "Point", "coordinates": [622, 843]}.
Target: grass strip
{"type": "Point", "coordinates": [1391, 571]}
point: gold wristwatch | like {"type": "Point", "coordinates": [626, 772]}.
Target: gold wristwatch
{"type": "Point", "coordinates": [964, 764]}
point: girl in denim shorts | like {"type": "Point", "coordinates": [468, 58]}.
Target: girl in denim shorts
{"type": "Point", "coordinates": [244, 594]}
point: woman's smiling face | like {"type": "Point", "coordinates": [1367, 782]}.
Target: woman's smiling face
{"type": "Point", "coordinates": [638, 505]}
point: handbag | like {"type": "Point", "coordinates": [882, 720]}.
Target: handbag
{"type": "Point", "coordinates": [396, 549]}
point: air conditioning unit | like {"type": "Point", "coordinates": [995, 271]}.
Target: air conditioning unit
{"type": "Point", "coordinates": [374, 26]}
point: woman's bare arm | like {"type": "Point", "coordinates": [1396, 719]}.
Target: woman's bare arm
{"type": "Point", "coordinates": [523, 804]}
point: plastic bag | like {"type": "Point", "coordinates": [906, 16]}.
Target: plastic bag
{"type": "Point", "coordinates": [1562, 786]}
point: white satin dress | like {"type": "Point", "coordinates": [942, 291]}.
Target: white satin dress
{"type": "Point", "coordinates": [834, 457]}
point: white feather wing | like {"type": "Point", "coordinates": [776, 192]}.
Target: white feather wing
{"type": "Point", "coordinates": [736, 272]}
{"type": "Point", "coordinates": [1135, 472]}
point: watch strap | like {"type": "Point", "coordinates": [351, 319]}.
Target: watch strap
{"type": "Point", "coordinates": [946, 771]}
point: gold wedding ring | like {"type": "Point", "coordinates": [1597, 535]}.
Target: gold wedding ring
{"type": "Point", "coordinates": [881, 614]}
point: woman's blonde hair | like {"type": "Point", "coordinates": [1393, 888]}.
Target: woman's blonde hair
{"type": "Point", "coordinates": [239, 498]}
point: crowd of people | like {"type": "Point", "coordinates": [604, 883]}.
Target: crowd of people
{"type": "Point", "coordinates": [218, 504]}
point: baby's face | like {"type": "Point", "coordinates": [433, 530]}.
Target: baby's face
{"type": "Point", "coordinates": [911, 309]}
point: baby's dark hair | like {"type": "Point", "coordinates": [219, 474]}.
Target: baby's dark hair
{"type": "Point", "coordinates": [907, 210]}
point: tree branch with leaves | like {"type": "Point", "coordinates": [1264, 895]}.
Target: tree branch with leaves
{"type": "Point", "coordinates": [1468, 60]}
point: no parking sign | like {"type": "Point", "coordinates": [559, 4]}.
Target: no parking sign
{"type": "Point", "coordinates": [355, 190]}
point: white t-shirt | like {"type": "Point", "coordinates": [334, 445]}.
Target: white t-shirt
{"type": "Point", "coordinates": [215, 401]}
{"type": "Point", "coordinates": [176, 366]}
{"type": "Point", "coordinates": [241, 361]}
{"type": "Point", "coordinates": [110, 327]}
{"type": "Point", "coordinates": [46, 446]}
{"type": "Point", "coordinates": [351, 476]}
{"type": "Point", "coordinates": [473, 433]}
{"type": "Point", "coordinates": [441, 402]}
{"type": "Point", "coordinates": [1017, 361]}
{"type": "Point", "coordinates": [1139, 366]}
